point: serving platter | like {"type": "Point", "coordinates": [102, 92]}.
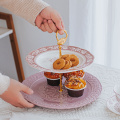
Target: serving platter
{"type": "Point", "coordinates": [43, 58]}
{"type": "Point", "coordinates": [49, 96]}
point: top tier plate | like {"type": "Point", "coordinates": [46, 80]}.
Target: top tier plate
{"type": "Point", "coordinates": [43, 58]}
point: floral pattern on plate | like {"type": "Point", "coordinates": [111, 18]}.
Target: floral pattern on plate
{"type": "Point", "coordinates": [43, 58]}
{"type": "Point", "coordinates": [50, 97]}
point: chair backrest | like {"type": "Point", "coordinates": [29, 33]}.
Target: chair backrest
{"type": "Point", "coordinates": [14, 44]}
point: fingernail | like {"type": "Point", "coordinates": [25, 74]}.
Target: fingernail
{"type": "Point", "coordinates": [31, 91]}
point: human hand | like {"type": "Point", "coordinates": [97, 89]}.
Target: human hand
{"type": "Point", "coordinates": [13, 94]}
{"type": "Point", "coordinates": [49, 20]}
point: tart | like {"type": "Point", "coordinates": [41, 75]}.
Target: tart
{"type": "Point", "coordinates": [79, 73]}
{"type": "Point", "coordinates": [53, 79]}
{"type": "Point", "coordinates": [75, 86]}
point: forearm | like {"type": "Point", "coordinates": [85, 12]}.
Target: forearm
{"type": "Point", "coordinates": [4, 83]}
{"type": "Point", "coordinates": [27, 9]}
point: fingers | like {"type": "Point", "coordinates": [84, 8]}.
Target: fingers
{"type": "Point", "coordinates": [50, 20]}
{"type": "Point", "coordinates": [24, 103]}
{"type": "Point", "coordinates": [26, 89]}
{"type": "Point", "coordinates": [47, 27]}
{"type": "Point", "coordinates": [57, 20]}
{"type": "Point", "coordinates": [52, 26]}
{"type": "Point", "coordinates": [61, 32]}
{"type": "Point", "coordinates": [19, 105]}
{"type": "Point", "coordinates": [43, 28]}
{"type": "Point", "coordinates": [38, 21]}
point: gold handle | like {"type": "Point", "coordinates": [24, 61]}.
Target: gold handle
{"type": "Point", "coordinates": [61, 41]}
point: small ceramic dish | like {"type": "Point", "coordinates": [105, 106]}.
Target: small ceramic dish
{"type": "Point", "coordinates": [113, 105]}
{"type": "Point", "coordinates": [53, 79]}
{"type": "Point", "coordinates": [117, 92]}
{"type": "Point", "coordinates": [75, 86]}
{"type": "Point", "coordinates": [75, 92]}
{"type": "Point", "coordinates": [53, 82]}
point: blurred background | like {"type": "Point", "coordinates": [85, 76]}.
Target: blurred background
{"type": "Point", "coordinates": [93, 25]}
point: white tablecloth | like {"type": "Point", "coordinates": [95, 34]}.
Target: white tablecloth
{"type": "Point", "coordinates": [94, 111]}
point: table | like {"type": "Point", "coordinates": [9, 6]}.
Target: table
{"type": "Point", "coordinates": [94, 111]}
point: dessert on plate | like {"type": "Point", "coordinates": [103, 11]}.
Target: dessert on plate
{"type": "Point", "coordinates": [53, 79]}
{"type": "Point", "coordinates": [66, 61]}
{"type": "Point", "coordinates": [75, 86]}
{"type": "Point", "coordinates": [79, 73]}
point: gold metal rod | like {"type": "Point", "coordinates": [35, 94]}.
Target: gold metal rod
{"type": "Point", "coordinates": [61, 83]}
{"type": "Point", "coordinates": [60, 54]}
{"type": "Point", "coordinates": [61, 42]}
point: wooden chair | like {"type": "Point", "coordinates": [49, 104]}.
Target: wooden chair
{"type": "Point", "coordinates": [14, 44]}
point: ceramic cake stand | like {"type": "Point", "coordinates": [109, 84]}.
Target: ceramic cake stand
{"type": "Point", "coordinates": [49, 96]}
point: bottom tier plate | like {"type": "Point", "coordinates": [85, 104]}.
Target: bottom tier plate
{"type": "Point", "coordinates": [50, 97]}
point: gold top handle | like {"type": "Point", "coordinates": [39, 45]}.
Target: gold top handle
{"type": "Point", "coordinates": [61, 41]}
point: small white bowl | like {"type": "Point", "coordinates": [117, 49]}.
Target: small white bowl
{"type": "Point", "coordinates": [117, 92]}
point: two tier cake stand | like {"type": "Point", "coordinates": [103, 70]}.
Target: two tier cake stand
{"type": "Point", "coordinates": [50, 96]}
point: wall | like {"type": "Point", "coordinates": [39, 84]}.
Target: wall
{"type": "Point", "coordinates": [29, 38]}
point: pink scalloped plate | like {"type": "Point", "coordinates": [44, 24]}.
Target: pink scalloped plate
{"type": "Point", "coordinates": [43, 58]}
{"type": "Point", "coordinates": [49, 96]}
